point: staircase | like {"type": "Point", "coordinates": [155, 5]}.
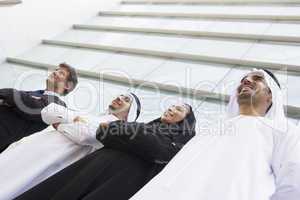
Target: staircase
{"type": "Point", "coordinates": [9, 2]}
{"type": "Point", "coordinates": [164, 50]}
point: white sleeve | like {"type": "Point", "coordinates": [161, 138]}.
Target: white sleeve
{"type": "Point", "coordinates": [81, 133]}
{"type": "Point", "coordinates": [287, 168]}
{"type": "Point", "coordinates": [54, 113]}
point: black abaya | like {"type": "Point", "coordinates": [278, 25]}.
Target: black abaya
{"type": "Point", "coordinates": [118, 174]}
{"type": "Point", "coordinates": [129, 160]}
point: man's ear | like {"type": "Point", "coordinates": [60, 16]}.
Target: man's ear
{"type": "Point", "coordinates": [67, 86]}
{"type": "Point", "coordinates": [269, 99]}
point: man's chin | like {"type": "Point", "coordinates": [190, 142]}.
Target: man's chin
{"type": "Point", "coordinates": [111, 108]}
{"type": "Point", "coordinates": [51, 81]}
{"type": "Point", "coordinates": [244, 98]}
{"type": "Point", "coordinates": [163, 119]}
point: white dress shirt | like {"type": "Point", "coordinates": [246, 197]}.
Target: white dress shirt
{"type": "Point", "coordinates": [82, 133]}
{"type": "Point", "coordinates": [51, 93]}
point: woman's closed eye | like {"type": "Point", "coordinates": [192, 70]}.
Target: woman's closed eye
{"type": "Point", "coordinates": [179, 108]}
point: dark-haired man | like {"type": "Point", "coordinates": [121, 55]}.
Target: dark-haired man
{"type": "Point", "coordinates": [20, 111]}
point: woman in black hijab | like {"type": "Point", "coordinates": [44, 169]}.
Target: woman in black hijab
{"type": "Point", "coordinates": [133, 154]}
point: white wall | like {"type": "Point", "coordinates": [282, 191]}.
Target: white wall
{"type": "Point", "coordinates": [24, 25]}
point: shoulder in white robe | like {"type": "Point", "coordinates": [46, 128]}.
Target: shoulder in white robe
{"type": "Point", "coordinates": [249, 158]}
{"type": "Point", "coordinates": [233, 164]}
{"type": "Point", "coordinates": [37, 157]}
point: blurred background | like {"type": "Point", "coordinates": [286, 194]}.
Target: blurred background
{"type": "Point", "coordinates": [166, 51]}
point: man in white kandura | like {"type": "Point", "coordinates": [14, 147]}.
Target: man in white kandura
{"type": "Point", "coordinates": [253, 156]}
{"type": "Point", "coordinates": [35, 158]}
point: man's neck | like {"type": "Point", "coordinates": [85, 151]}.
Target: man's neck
{"type": "Point", "coordinates": [249, 110]}
{"type": "Point", "coordinates": [120, 116]}
{"type": "Point", "coordinates": [50, 89]}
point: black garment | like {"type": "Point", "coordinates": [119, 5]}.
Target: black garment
{"type": "Point", "coordinates": [124, 166]}
{"type": "Point", "coordinates": [105, 174]}
{"type": "Point", "coordinates": [20, 114]}
{"type": "Point", "coordinates": [154, 142]}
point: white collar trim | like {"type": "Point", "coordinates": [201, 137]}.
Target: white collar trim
{"type": "Point", "coordinates": [51, 93]}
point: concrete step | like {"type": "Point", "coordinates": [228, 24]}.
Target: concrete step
{"type": "Point", "coordinates": [187, 73]}
{"type": "Point", "coordinates": [191, 33]}
{"type": "Point", "coordinates": [221, 2]}
{"type": "Point", "coordinates": [277, 57]}
{"type": "Point", "coordinates": [216, 16]}
{"type": "Point", "coordinates": [9, 2]}
{"type": "Point", "coordinates": [199, 94]}
{"type": "Point", "coordinates": [100, 88]}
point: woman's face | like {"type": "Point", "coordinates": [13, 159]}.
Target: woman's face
{"type": "Point", "coordinates": [175, 113]}
{"type": "Point", "coordinates": [121, 103]}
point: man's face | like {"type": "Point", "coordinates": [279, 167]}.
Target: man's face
{"type": "Point", "coordinates": [175, 113]}
{"type": "Point", "coordinates": [253, 90]}
{"type": "Point", "coordinates": [58, 79]}
{"type": "Point", "coordinates": [120, 103]}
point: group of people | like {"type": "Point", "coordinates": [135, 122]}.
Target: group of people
{"type": "Point", "coordinates": [255, 154]}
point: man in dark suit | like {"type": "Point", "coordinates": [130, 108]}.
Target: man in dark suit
{"type": "Point", "coordinates": [20, 111]}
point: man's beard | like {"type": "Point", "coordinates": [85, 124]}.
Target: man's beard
{"type": "Point", "coordinates": [247, 99]}
{"type": "Point", "coordinates": [112, 109]}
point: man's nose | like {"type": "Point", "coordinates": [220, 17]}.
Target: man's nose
{"type": "Point", "coordinates": [247, 81]}
{"type": "Point", "coordinates": [55, 73]}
